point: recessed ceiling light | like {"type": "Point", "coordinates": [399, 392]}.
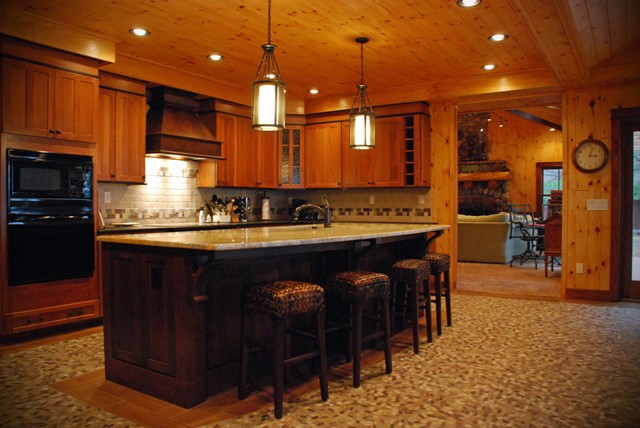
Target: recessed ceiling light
{"type": "Point", "coordinates": [313, 91]}
{"type": "Point", "coordinates": [140, 32]}
{"type": "Point", "coordinates": [498, 37]}
{"type": "Point", "coordinates": [215, 57]}
{"type": "Point", "coordinates": [552, 129]}
{"type": "Point", "coordinates": [488, 66]}
{"type": "Point", "coordinates": [468, 3]}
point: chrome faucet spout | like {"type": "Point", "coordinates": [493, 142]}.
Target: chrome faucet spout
{"type": "Point", "coordinates": [324, 211]}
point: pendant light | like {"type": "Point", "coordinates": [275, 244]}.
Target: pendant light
{"type": "Point", "coordinates": [362, 121]}
{"type": "Point", "coordinates": [268, 89]}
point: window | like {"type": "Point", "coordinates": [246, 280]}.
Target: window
{"type": "Point", "coordinates": [548, 178]}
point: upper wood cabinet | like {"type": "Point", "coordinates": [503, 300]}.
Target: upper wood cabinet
{"type": "Point", "coordinates": [48, 102]}
{"type": "Point", "coordinates": [382, 166]}
{"type": "Point", "coordinates": [323, 154]}
{"type": "Point", "coordinates": [256, 157]}
{"type": "Point", "coordinates": [250, 156]}
{"type": "Point", "coordinates": [121, 137]}
{"type": "Point", "coordinates": [291, 157]}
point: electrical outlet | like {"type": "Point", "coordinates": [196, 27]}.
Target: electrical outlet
{"type": "Point", "coordinates": [372, 199]}
{"type": "Point", "coordinates": [579, 267]}
{"type": "Point", "coordinates": [107, 197]}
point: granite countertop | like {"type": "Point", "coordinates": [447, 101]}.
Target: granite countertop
{"type": "Point", "coordinates": [135, 227]}
{"type": "Point", "coordinates": [240, 238]}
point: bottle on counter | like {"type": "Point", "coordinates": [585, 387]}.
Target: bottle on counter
{"type": "Point", "coordinates": [201, 215]}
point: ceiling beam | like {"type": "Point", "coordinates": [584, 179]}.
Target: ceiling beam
{"type": "Point", "coordinates": [552, 28]}
{"type": "Point", "coordinates": [36, 29]}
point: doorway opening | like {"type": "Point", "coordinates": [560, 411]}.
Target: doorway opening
{"type": "Point", "coordinates": [626, 203]}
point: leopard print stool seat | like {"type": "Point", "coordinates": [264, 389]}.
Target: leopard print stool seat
{"type": "Point", "coordinates": [281, 300]}
{"type": "Point", "coordinates": [440, 264]}
{"type": "Point", "coordinates": [411, 273]}
{"type": "Point", "coordinates": [355, 289]}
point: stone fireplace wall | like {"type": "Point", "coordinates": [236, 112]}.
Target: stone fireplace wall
{"type": "Point", "coordinates": [483, 197]}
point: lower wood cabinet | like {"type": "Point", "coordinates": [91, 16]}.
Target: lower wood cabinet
{"type": "Point", "coordinates": [139, 300]}
{"type": "Point", "coordinates": [49, 317]}
{"type": "Point", "coordinates": [39, 306]}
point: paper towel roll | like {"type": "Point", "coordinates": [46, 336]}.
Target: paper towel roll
{"type": "Point", "coordinates": [266, 212]}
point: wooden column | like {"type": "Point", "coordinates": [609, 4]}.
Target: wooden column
{"type": "Point", "coordinates": [444, 178]}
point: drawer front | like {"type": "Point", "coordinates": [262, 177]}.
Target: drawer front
{"type": "Point", "coordinates": [48, 317]}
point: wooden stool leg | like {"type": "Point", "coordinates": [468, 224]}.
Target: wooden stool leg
{"type": "Point", "coordinates": [244, 360]}
{"type": "Point", "coordinates": [387, 334]}
{"type": "Point", "coordinates": [356, 342]}
{"type": "Point", "coordinates": [447, 296]}
{"type": "Point", "coordinates": [427, 309]}
{"type": "Point", "coordinates": [414, 317]}
{"type": "Point", "coordinates": [438, 305]}
{"type": "Point", "coordinates": [278, 364]}
{"type": "Point", "coordinates": [322, 351]}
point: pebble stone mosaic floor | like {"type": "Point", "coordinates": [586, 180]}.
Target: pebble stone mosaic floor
{"type": "Point", "coordinates": [504, 363]}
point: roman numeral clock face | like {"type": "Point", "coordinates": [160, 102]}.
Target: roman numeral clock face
{"type": "Point", "coordinates": [590, 155]}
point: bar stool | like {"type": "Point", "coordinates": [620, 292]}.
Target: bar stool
{"type": "Point", "coordinates": [412, 273]}
{"type": "Point", "coordinates": [355, 289]}
{"type": "Point", "coordinates": [281, 300]}
{"type": "Point", "coordinates": [440, 263]}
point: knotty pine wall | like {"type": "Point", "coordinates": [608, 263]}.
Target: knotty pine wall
{"type": "Point", "coordinates": [587, 234]}
{"type": "Point", "coordinates": [522, 143]}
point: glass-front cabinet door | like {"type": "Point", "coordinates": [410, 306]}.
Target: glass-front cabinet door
{"type": "Point", "coordinates": [290, 158]}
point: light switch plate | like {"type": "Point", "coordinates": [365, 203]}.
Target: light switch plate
{"type": "Point", "coordinates": [107, 197]}
{"type": "Point", "coordinates": [420, 199]}
{"type": "Point", "coordinates": [372, 199]}
{"type": "Point", "coordinates": [597, 204]}
{"type": "Point", "coordinates": [579, 268]}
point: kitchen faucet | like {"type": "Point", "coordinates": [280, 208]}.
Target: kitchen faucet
{"type": "Point", "coordinates": [324, 210]}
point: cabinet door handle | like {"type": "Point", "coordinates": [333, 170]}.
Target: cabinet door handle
{"type": "Point", "coordinates": [52, 131]}
{"type": "Point", "coordinates": [58, 131]}
{"type": "Point", "coordinates": [75, 313]}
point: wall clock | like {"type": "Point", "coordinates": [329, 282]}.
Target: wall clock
{"type": "Point", "coordinates": [590, 155]}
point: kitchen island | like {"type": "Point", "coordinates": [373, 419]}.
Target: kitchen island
{"type": "Point", "coordinates": [172, 300]}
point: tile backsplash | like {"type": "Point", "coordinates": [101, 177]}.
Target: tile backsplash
{"type": "Point", "coordinates": [171, 195]}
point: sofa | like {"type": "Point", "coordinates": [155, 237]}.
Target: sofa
{"type": "Point", "coordinates": [485, 239]}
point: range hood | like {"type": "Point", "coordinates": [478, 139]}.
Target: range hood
{"type": "Point", "coordinates": [175, 129]}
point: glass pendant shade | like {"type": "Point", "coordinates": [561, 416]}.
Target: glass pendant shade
{"type": "Point", "coordinates": [268, 94]}
{"type": "Point", "coordinates": [362, 130]}
{"type": "Point", "coordinates": [362, 121]}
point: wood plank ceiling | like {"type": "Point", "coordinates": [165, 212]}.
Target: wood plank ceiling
{"type": "Point", "coordinates": [419, 49]}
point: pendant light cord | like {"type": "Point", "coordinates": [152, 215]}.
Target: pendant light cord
{"type": "Point", "coordinates": [362, 63]}
{"type": "Point", "coordinates": [269, 23]}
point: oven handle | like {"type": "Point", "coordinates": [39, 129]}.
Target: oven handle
{"type": "Point", "coordinates": [50, 220]}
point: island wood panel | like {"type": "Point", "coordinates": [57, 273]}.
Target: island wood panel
{"type": "Point", "coordinates": [522, 143]}
{"type": "Point", "coordinates": [171, 315]}
{"type": "Point", "coordinates": [587, 237]}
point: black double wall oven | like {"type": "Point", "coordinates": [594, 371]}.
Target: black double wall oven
{"type": "Point", "coordinates": [50, 222]}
